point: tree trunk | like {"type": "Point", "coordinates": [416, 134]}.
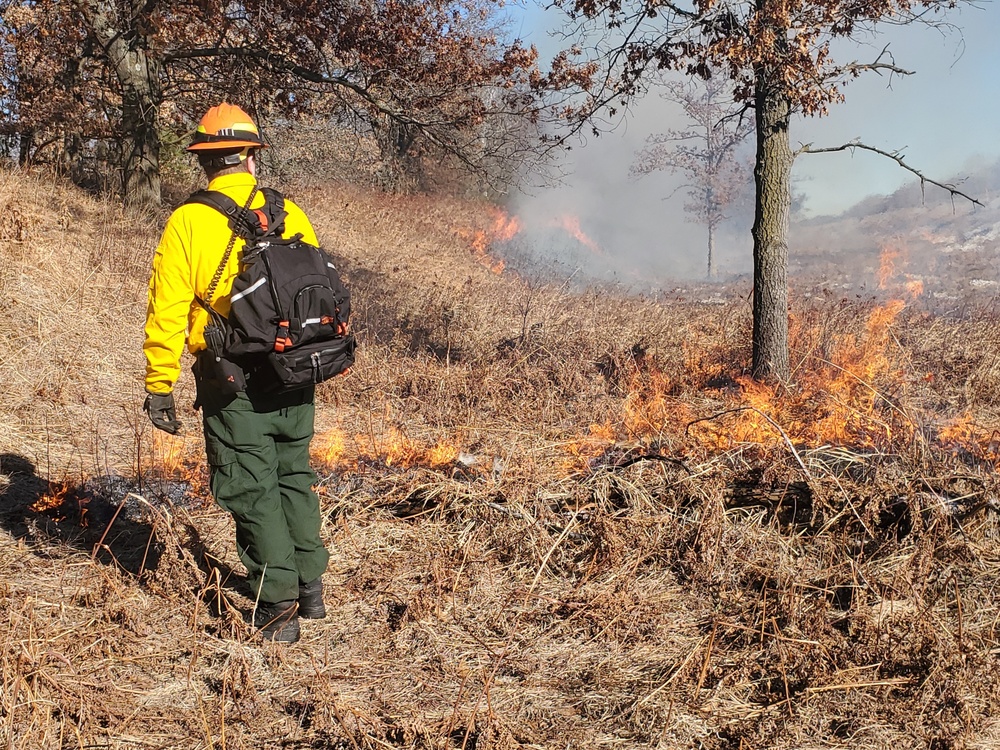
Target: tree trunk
{"type": "Point", "coordinates": [138, 74]}
{"type": "Point", "coordinates": [711, 249]}
{"type": "Point", "coordinates": [399, 171]}
{"type": "Point", "coordinates": [772, 178]}
{"type": "Point", "coordinates": [25, 141]}
{"type": "Point", "coordinates": [141, 142]}
{"type": "Point", "coordinates": [71, 158]}
{"type": "Point", "coordinates": [712, 209]}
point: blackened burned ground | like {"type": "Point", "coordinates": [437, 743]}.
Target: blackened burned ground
{"type": "Point", "coordinates": [109, 517]}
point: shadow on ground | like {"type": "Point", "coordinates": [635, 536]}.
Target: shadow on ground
{"type": "Point", "coordinates": [115, 520]}
{"type": "Point", "coordinates": [78, 515]}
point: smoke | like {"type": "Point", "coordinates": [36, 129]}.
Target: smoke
{"type": "Point", "coordinates": [643, 236]}
{"type": "Point", "coordinates": [939, 118]}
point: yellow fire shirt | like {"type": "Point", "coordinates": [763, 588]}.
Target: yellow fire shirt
{"type": "Point", "coordinates": [190, 251]}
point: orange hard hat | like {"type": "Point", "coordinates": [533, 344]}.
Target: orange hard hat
{"type": "Point", "coordinates": [225, 127]}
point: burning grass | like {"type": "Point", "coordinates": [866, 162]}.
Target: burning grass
{"type": "Point", "coordinates": [557, 518]}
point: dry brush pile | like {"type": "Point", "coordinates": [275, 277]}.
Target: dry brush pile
{"type": "Point", "coordinates": [558, 518]}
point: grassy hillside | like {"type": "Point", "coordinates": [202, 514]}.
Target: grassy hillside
{"type": "Point", "coordinates": [946, 242]}
{"type": "Point", "coordinates": [558, 518]}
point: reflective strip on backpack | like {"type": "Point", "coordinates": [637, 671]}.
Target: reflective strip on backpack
{"type": "Point", "coordinates": [331, 265]}
{"type": "Point", "coordinates": [311, 322]}
{"type": "Point", "coordinates": [259, 283]}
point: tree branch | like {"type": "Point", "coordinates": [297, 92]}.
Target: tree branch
{"type": "Point", "coordinates": [878, 66]}
{"type": "Point", "coordinates": [279, 64]}
{"type": "Point", "coordinates": [273, 61]}
{"type": "Point", "coordinates": [896, 157]}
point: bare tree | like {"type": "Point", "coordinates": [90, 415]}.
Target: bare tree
{"type": "Point", "coordinates": [777, 53]}
{"type": "Point", "coordinates": [705, 153]}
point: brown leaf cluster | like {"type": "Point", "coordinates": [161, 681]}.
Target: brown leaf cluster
{"type": "Point", "coordinates": [423, 77]}
{"type": "Point", "coordinates": [783, 44]}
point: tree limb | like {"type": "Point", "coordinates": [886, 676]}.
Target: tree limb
{"type": "Point", "coordinates": [279, 64]}
{"type": "Point", "coordinates": [896, 157]}
{"type": "Point", "coordinates": [878, 66]}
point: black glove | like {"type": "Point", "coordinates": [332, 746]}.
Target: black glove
{"type": "Point", "coordinates": [160, 408]}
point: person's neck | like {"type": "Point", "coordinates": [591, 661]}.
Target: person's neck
{"type": "Point", "coordinates": [241, 169]}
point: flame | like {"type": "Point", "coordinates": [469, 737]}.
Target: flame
{"type": "Point", "coordinates": [502, 229]}
{"type": "Point", "coordinates": [571, 225]}
{"type": "Point", "coordinates": [171, 453]}
{"type": "Point", "coordinates": [442, 453]}
{"type": "Point", "coordinates": [505, 227]}
{"type": "Point", "coordinates": [850, 390]}
{"type": "Point", "coordinates": [964, 432]}
{"type": "Point", "coordinates": [480, 242]}
{"type": "Point", "coordinates": [892, 259]}
{"type": "Point", "coordinates": [914, 287]}
{"type": "Point", "coordinates": [596, 442]}
{"type": "Point", "coordinates": [394, 448]}
{"type": "Point", "coordinates": [179, 457]}
{"type": "Point", "coordinates": [398, 450]}
{"type": "Point", "coordinates": [54, 499]}
{"type": "Point", "coordinates": [838, 398]}
{"type": "Point", "coordinates": [754, 413]}
{"type": "Point", "coordinates": [329, 447]}
{"type": "Point", "coordinates": [648, 407]}
{"type": "Point", "coordinates": [62, 501]}
{"type": "Point", "coordinates": [887, 263]}
{"type": "Point", "coordinates": [960, 430]}
{"type": "Point", "coordinates": [847, 386]}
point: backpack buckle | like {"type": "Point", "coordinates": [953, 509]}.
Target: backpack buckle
{"type": "Point", "coordinates": [282, 341]}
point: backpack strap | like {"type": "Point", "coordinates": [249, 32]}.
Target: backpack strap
{"type": "Point", "coordinates": [250, 224]}
{"type": "Point", "coordinates": [244, 223]}
{"type": "Point", "coordinates": [273, 214]}
{"type": "Point", "coordinates": [238, 219]}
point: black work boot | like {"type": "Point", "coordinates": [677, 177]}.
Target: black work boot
{"type": "Point", "coordinates": [311, 600]}
{"type": "Point", "coordinates": [277, 621]}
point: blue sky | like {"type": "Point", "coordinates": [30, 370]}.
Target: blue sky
{"type": "Point", "coordinates": [945, 119]}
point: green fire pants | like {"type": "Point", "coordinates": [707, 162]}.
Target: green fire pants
{"type": "Point", "coordinates": [258, 455]}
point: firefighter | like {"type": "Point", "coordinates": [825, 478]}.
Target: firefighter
{"type": "Point", "coordinates": [257, 444]}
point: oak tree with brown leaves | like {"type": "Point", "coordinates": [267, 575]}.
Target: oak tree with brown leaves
{"type": "Point", "coordinates": [430, 79]}
{"type": "Point", "coordinates": [777, 54]}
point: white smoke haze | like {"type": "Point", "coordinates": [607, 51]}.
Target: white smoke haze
{"type": "Point", "coordinates": [646, 239]}
{"type": "Point", "coordinates": [943, 119]}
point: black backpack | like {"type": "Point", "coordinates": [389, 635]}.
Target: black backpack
{"type": "Point", "coordinates": [287, 324]}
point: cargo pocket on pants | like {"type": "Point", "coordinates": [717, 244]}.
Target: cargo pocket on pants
{"type": "Point", "coordinates": [221, 459]}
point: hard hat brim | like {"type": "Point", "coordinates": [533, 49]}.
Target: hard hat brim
{"type": "Point", "coordinates": [225, 146]}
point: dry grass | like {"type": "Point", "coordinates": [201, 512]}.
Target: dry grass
{"type": "Point", "coordinates": [558, 518]}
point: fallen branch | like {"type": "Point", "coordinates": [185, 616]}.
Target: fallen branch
{"type": "Point", "coordinates": [650, 457]}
